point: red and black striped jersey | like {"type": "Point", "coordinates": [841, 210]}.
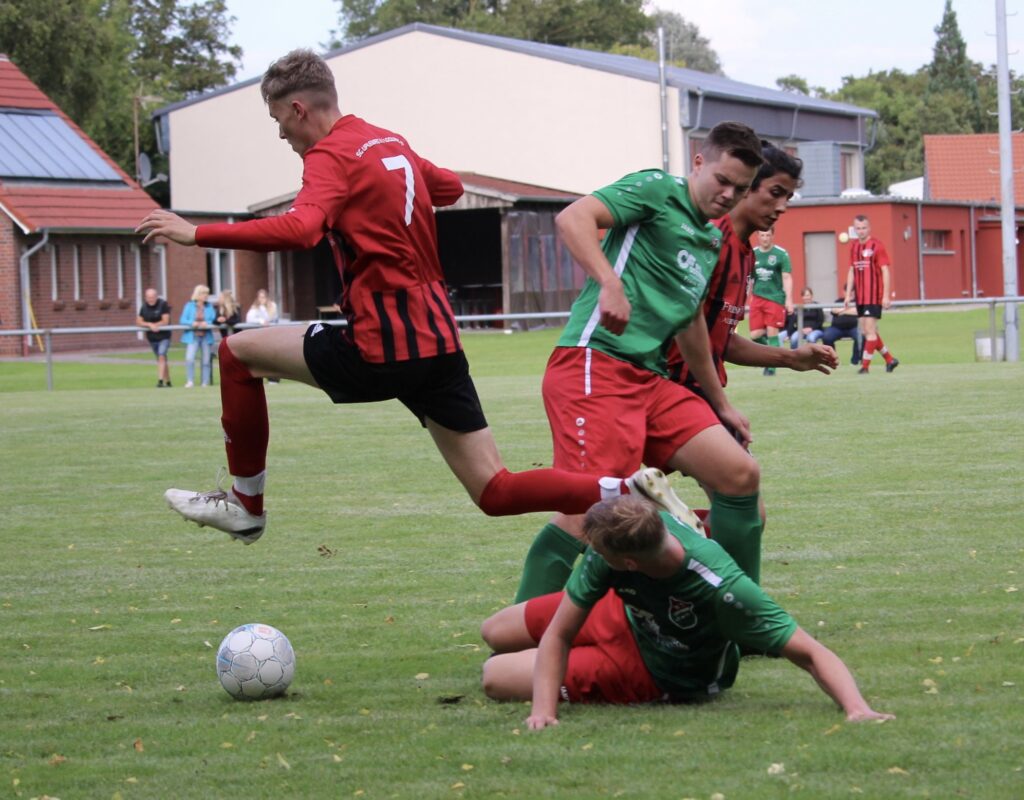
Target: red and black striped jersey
{"type": "Point", "coordinates": [725, 304]}
{"type": "Point", "coordinates": [373, 197]}
{"type": "Point", "coordinates": [867, 260]}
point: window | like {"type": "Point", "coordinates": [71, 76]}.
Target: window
{"type": "Point", "coordinates": [120, 272]}
{"type": "Point", "coordinates": [54, 261]}
{"type": "Point", "coordinates": [76, 271]}
{"type": "Point", "coordinates": [935, 241]}
{"type": "Point", "coordinates": [219, 270]}
{"type": "Point", "coordinates": [100, 287]}
{"type": "Point", "coordinates": [848, 178]}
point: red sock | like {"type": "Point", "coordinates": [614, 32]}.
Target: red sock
{"type": "Point", "coordinates": [245, 422]}
{"type": "Point", "coordinates": [881, 348]}
{"type": "Point", "coordinates": [869, 352]}
{"type": "Point", "coordinates": [546, 490]}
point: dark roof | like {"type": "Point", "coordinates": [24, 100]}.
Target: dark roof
{"type": "Point", "coordinates": [66, 182]}
{"type": "Point", "coordinates": [629, 66]}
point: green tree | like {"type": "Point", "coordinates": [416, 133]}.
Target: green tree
{"type": "Point", "coordinates": [950, 78]}
{"type": "Point", "coordinates": [684, 45]}
{"type": "Point", "coordinates": [596, 24]}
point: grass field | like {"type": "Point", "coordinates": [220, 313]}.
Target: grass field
{"type": "Point", "coordinates": [894, 535]}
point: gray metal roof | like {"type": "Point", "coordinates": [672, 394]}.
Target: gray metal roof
{"type": "Point", "coordinates": [629, 66]}
{"type": "Point", "coordinates": [41, 145]}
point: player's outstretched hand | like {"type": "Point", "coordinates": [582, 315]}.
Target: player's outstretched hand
{"type": "Point", "coordinates": [815, 356]}
{"type": "Point", "coordinates": [536, 722]}
{"type": "Point", "coordinates": [169, 225]}
{"type": "Point", "coordinates": [868, 715]}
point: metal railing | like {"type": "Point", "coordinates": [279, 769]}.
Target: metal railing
{"type": "Point", "coordinates": [47, 334]}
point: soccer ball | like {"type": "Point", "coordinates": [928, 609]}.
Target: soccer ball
{"type": "Point", "coordinates": [255, 661]}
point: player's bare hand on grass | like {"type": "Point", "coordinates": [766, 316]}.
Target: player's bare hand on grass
{"type": "Point", "coordinates": [815, 356]}
{"type": "Point", "coordinates": [615, 307]}
{"type": "Point", "coordinates": [868, 715]}
{"type": "Point", "coordinates": [169, 225]}
{"type": "Point", "coordinates": [536, 722]}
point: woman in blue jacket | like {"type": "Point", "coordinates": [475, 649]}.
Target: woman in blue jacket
{"type": "Point", "coordinates": [200, 315]}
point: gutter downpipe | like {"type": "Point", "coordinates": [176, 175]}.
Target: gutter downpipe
{"type": "Point", "coordinates": [920, 254]}
{"type": "Point", "coordinates": [663, 93]}
{"type": "Point", "coordinates": [26, 293]}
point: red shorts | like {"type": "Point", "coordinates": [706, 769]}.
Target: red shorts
{"type": "Point", "coordinates": [604, 663]}
{"type": "Point", "coordinates": [766, 314]}
{"type": "Point", "coordinates": [608, 416]}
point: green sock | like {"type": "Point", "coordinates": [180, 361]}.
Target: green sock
{"type": "Point", "coordinates": [548, 562]}
{"type": "Point", "coordinates": [736, 525]}
{"type": "Point", "coordinates": [761, 339]}
{"type": "Point", "coordinates": [772, 341]}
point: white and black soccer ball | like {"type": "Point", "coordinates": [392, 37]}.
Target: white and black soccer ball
{"type": "Point", "coordinates": [255, 661]}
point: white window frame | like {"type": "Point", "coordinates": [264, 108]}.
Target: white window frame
{"type": "Point", "coordinates": [54, 273]}
{"type": "Point", "coordinates": [101, 288]}
{"type": "Point", "coordinates": [120, 272]}
{"type": "Point", "coordinates": [76, 270]}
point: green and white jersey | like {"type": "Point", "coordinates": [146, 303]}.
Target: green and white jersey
{"type": "Point", "coordinates": [768, 269]}
{"type": "Point", "coordinates": [664, 251]}
{"type": "Point", "coordinates": [688, 625]}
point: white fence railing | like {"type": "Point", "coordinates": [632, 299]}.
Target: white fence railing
{"type": "Point", "coordinates": [47, 334]}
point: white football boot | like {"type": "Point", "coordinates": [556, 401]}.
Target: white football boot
{"type": "Point", "coordinates": [653, 484]}
{"type": "Point", "coordinates": [220, 510]}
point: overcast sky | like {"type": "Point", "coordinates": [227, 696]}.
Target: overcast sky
{"type": "Point", "coordinates": [820, 40]}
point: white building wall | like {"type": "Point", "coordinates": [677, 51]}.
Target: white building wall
{"type": "Point", "coordinates": [462, 105]}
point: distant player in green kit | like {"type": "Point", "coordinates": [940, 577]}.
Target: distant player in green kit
{"type": "Point", "coordinates": [653, 612]}
{"type": "Point", "coordinates": [605, 389]}
{"type": "Point", "coordinates": [772, 292]}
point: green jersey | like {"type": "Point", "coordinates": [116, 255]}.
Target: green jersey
{"type": "Point", "coordinates": [688, 626]}
{"type": "Point", "coordinates": [768, 269]}
{"type": "Point", "coordinates": [664, 251]}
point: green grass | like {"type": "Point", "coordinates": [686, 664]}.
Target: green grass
{"type": "Point", "coordinates": [894, 535]}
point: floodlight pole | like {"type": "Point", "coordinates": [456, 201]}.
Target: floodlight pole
{"type": "Point", "coordinates": [1008, 210]}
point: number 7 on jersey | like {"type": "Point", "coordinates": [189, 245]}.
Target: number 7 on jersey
{"type": "Point", "coordinates": [392, 163]}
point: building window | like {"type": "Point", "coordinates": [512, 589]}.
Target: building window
{"type": "Point", "coordinates": [76, 271]}
{"type": "Point", "coordinates": [848, 178]}
{"type": "Point", "coordinates": [100, 287]}
{"type": "Point", "coordinates": [54, 262]}
{"type": "Point", "coordinates": [120, 272]}
{"type": "Point", "coordinates": [219, 274]}
{"type": "Point", "coordinates": [935, 241]}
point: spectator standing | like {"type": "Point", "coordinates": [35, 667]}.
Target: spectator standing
{"type": "Point", "coordinates": [228, 313]}
{"type": "Point", "coordinates": [154, 315]}
{"type": "Point", "coordinates": [200, 315]}
{"type": "Point", "coordinates": [263, 310]}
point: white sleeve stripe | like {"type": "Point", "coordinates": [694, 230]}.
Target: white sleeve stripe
{"type": "Point", "coordinates": [705, 572]}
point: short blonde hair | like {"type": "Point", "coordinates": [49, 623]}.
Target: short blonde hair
{"type": "Point", "coordinates": [625, 525]}
{"type": "Point", "coordinates": [201, 288]}
{"type": "Point", "coordinates": [300, 70]}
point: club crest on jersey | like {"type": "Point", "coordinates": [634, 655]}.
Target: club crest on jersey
{"type": "Point", "coordinates": [681, 613]}
{"type": "Point", "coordinates": [772, 260]}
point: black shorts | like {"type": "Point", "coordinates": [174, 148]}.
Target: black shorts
{"type": "Point", "coordinates": [439, 388]}
{"type": "Point", "coordinates": [869, 311]}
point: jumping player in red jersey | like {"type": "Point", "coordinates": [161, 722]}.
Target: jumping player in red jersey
{"type": "Point", "coordinates": [371, 196]}
{"type": "Point", "coordinates": [869, 276]}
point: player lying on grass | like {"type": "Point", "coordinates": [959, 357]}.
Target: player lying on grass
{"type": "Point", "coordinates": [371, 196]}
{"type": "Point", "coordinates": [653, 612]}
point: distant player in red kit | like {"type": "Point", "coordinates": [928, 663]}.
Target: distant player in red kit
{"type": "Point", "coordinates": [371, 196]}
{"type": "Point", "coordinates": [869, 277]}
